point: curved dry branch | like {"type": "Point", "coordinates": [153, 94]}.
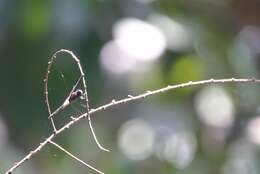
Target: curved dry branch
{"type": "Point", "coordinates": [66, 102]}
{"type": "Point", "coordinates": [114, 103]}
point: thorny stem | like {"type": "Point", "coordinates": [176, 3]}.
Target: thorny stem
{"type": "Point", "coordinates": [125, 101]}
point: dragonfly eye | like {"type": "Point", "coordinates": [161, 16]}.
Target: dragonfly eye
{"type": "Point", "coordinates": [78, 93]}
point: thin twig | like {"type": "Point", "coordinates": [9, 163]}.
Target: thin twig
{"type": "Point", "coordinates": [76, 158]}
{"type": "Point", "coordinates": [46, 79]}
{"type": "Point", "coordinates": [86, 101]}
{"type": "Point", "coordinates": [130, 98]}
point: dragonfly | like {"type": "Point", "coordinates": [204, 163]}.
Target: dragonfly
{"type": "Point", "coordinates": [73, 96]}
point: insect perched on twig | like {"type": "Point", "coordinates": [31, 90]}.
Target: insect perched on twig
{"type": "Point", "coordinates": [73, 95]}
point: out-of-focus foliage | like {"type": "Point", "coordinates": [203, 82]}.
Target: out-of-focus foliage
{"type": "Point", "coordinates": [129, 47]}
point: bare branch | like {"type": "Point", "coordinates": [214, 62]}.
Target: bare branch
{"type": "Point", "coordinates": [29, 155]}
{"type": "Point", "coordinates": [172, 87]}
{"type": "Point", "coordinates": [46, 79]}
{"type": "Point", "coordinates": [95, 137]}
{"type": "Point", "coordinates": [130, 98]}
{"type": "Point", "coordinates": [76, 158]}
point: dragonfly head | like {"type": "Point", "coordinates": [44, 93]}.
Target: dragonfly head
{"type": "Point", "coordinates": [75, 95]}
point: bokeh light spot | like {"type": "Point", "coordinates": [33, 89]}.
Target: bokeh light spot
{"type": "Point", "coordinates": [136, 139]}
{"type": "Point", "coordinates": [253, 130]}
{"type": "Point", "coordinates": [177, 36]}
{"type": "Point", "coordinates": [114, 60]}
{"type": "Point", "coordinates": [215, 107]}
{"type": "Point", "coordinates": [180, 149]}
{"type": "Point", "coordinates": [3, 132]}
{"type": "Point", "coordinates": [139, 39]}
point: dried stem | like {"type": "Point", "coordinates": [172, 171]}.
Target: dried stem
{"type": "Point", "coordinates": [74, 157]}
{"type": "Point", "coordinates": [126, 101]}
{"type": "Point", "coordinates": [46, 79]}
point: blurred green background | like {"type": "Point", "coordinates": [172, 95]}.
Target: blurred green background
{"type": "Point", "coordinates": [129, 47]}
